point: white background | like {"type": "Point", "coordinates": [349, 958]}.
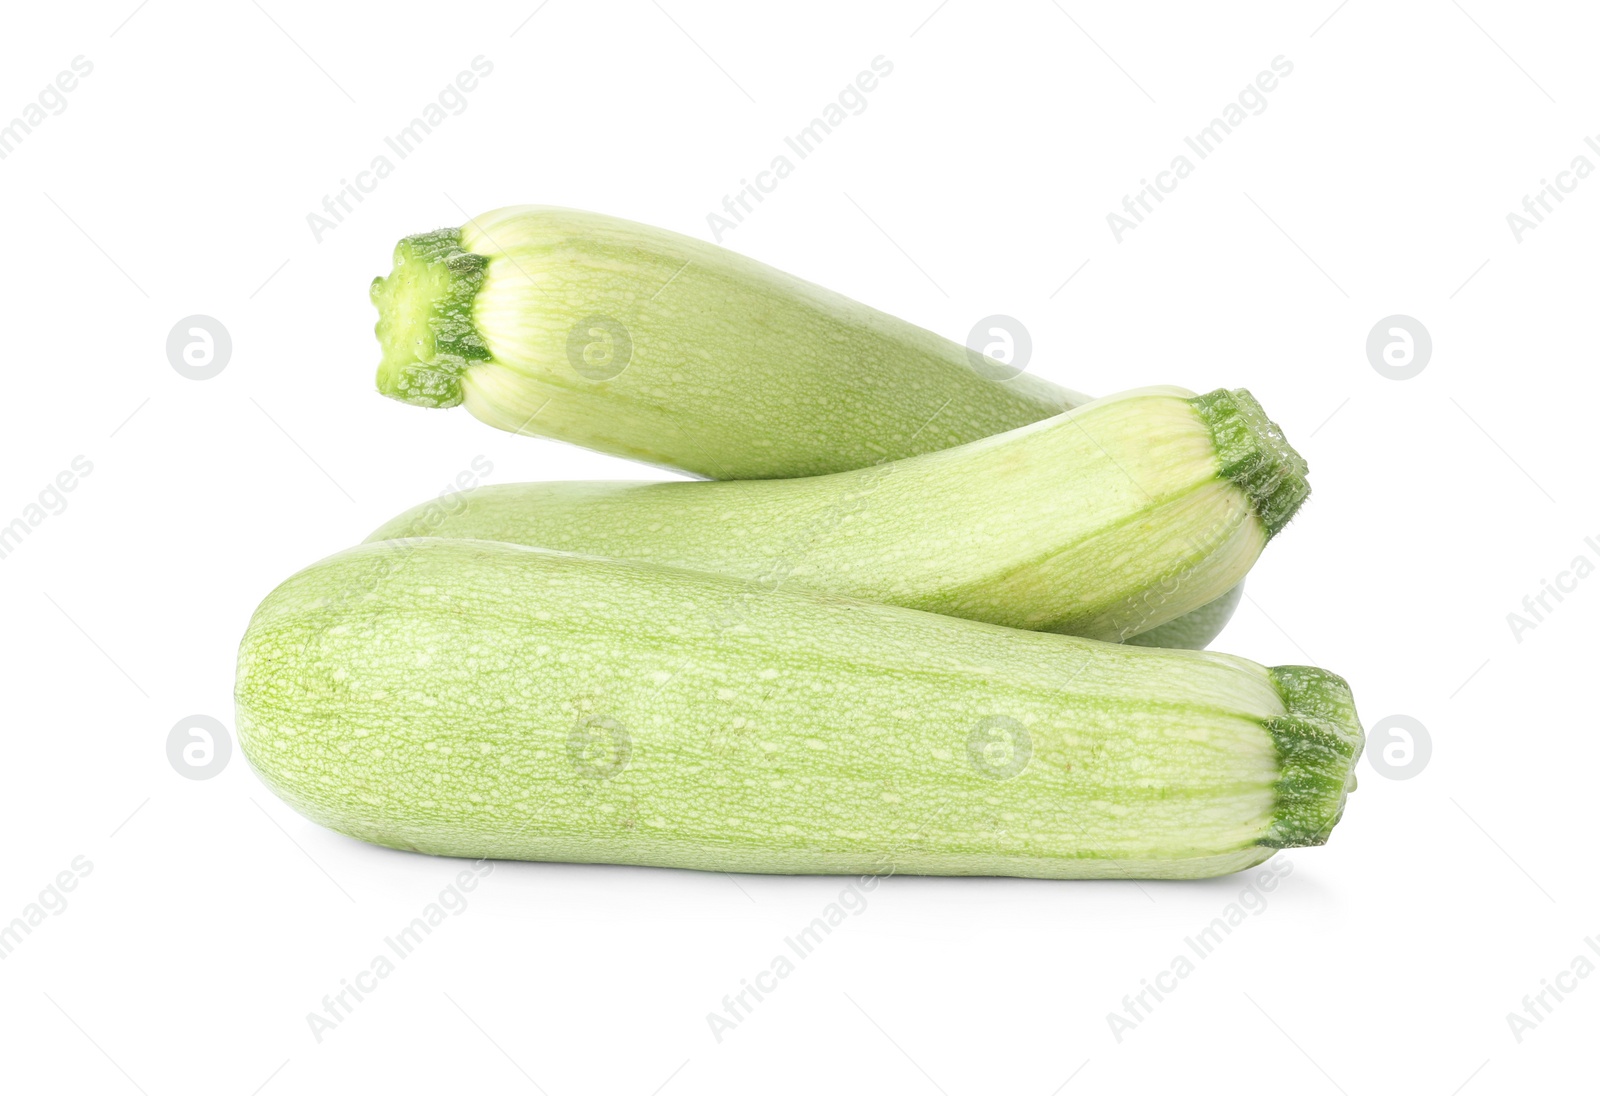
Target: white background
{"type": "Point", "coordinates": [178, 181]}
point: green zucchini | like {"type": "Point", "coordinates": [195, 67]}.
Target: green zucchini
{"type": "Point", "coordinates": [1105, 521]}
{"type": "Point", "coordinates": [646, 344]}
{"type": "Point", "coordinates": [480, 699]}
{"type": "Point", "coordinates": [1195, 629]}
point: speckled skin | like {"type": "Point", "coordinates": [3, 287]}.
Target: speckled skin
{"type": "Point", "coordinates": [734, 370]}
{"type": "Point", "coordinates": [1105, 522]}
{"type": "Point", "coordinates": [477, 699]}
{"type": "Point", "coordinates": [1194, 630]}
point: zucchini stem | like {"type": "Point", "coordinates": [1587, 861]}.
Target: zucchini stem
{"type": "Point", "coordinates": [1318, 739]}
{"type": "Point", "coordinates": [425, 318]}
{"type": "Point", "coordinates": [1255, 455]}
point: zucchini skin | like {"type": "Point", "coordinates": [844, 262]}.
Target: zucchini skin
{"type": "Point", "coordinates": [648, 344]}
{"type": "Point", "coordinates": [725, 367]}
{"type": "Point", "coordinates": [477, 699]}
{"type": "Point", "coordinates": [1194, 630]}
{"type": "Point", "coordinates": [1107, 521]}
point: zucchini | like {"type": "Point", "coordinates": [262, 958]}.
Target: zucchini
{"type": "Point", "coordinates": [479, 699]}
{"type": "Point", "coordinates": [1194, 630]}
{"type": "Point", "coordinates": [646, 344]}
{"type": "Point", "coordinates": [1105, 521]}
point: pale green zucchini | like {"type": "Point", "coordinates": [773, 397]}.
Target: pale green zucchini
{"type": "Point", "coordinates": [1194, 630]}
{"type": "Point", "coordinates": [647, 344]}
{"type": "Point", "coordinates": [479, 699]}
{"type": "Point", "coordinates": [1106, 521]}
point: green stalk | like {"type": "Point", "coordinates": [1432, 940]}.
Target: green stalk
{"type": "Point", "coordinates": [1106, 521]}
{"type": "Point", "coordinates": [467, 698]}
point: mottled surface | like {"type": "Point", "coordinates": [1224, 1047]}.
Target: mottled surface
{"type": "Point", "coordinates": [1195, 629]}
{"type": "Point", "coordinates": [478, 699]}
{"type": "Point", "coordinates": [1104, 522]}
{"type": "Point", "coordinates": [735, 370]}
